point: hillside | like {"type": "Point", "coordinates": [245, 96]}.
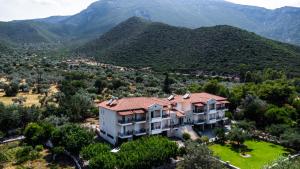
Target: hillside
{"type": "Point", "coordinates": [280, 24]}
{"type": "Point", "coordinates": [26, 32]}
{"type": "Point", "coordinates": [140, 43]}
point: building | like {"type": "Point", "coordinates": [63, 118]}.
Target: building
{"type": "Point", "coordinates": [126, 118]}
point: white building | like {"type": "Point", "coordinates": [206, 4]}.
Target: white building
{"type": "Point", "coordinates": [127, 118]}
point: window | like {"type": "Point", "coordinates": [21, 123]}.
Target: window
{"type": "Point", "coordinates": [102, 131]}
{"type": "Point", "coordinates": [110, 136]}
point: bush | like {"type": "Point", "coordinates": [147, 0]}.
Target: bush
{"type": "Point", "coordinates": [3, 158]}
{"type": "Point", "coordinates": [11, 90]}
{"type": "Point", "coordinates": [93, 150]}
{"type": "Point", "coordinates": [204, 139]}
{"type": "Point", "coordinates": [39, 148]}
{"type": "Point", "coordinates": [72, 137]}
{"type": "Point", "coordinates": [103, 161]}
{"type": "Point", "coordinates": [58, 150]}
{"type": "Point", "coordinates": [26, 153]}
{"type": "Point", "coordinates": [186, 136]}
{"type": "Point", "coordinates": [37, 133]}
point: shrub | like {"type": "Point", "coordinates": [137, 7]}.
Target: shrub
{"type": "Point", "coordinates": [103, 161]}
{"type": "Point", "coordinates": [204, 139]}
{"type": "Point", "coordinates": [186, 136]}
{"type": "Point", "coordinates": [58, 150]}
{"type": "Point", "coordinates": [72, 137]}
{"type": "Point", "coordinates": [93, 150]}
{"type": "Point", "coordinates": [11, 90]}
{"type": "Point", "coordinates": [39, 148]}
{"type": "Point", "coordinates": [26, 153]}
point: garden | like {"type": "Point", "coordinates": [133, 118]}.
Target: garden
{"type": "Point", "coordinates": [256, 154]}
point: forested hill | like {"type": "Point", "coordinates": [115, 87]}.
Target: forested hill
{"type": "Point", "coordinates": [140, 43]}
{"type": "Point", "coordinates": [4, 49]}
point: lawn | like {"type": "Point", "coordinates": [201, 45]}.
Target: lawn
{"type": "Point", "coordinates": [262, 153]}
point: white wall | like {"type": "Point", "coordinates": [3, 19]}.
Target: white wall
{"type": "Point", "coordinates": [108, 123]}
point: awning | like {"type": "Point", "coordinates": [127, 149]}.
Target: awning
{"type": "Point", "coordinates": [139, 111]}
{"type": "Point", "coordinates": [126, 113]}
{"type": "Point", "coordinates": [199, 104]}
{"type": "Point", "coordinates": [224, 102]}
{"type": "Point", "coordinates": [179, 114]}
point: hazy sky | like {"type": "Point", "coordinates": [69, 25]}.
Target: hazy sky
{"type": "Point", "coordinates": [28, 9]}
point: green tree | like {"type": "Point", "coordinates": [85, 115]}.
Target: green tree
{"type": "Point", "coordinates": [104, 161]}
{"type": "Point", "coordinates": [72, 137]}
{"type": "Point", "coordinates": [167, 83]}
{"type": "Point", "coordinates": [100, 84]}
{"type": "Point", "coordinates": [11, 89]}
{"type": "Point", "coordinates": [237, 135]}
{"type": "Point", "coordinates": [220, 133]}
{"type": "Point", "coordinates": [93, 150]}
{"type": "Point", "coordinates": [36, 134]}
{"type": "Point", "coordinates": [198, 157]}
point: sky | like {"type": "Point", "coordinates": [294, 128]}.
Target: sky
{"type": "Point", "coordinates": [30, 9]}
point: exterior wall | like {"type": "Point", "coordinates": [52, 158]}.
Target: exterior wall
{"type": "Point", "coordinates": [108, 125]}
{"type": "Point", "coordinates": [113, 127]}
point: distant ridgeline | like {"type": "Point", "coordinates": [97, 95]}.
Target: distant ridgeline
{"type": "Point", "coordinates": [221, 49]}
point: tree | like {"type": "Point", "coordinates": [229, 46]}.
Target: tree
{"type": "Point", "coordinates": [104, 161]}
{"type": "Point", "coordinates": [253, 109]}
{"type": "Point", "coordinates": [198, 157]}
{"type": "Point", "coordinates": [237, 135]}
{"type": "Point", "coordinates": [284, 164]}
{"type": "Point", "coordinates": [100, 84]}
{"type": "Point", "coordinates": [186, 136]}
{"type": "Point", "coordinates": [94, 150]}
{"type": "Point", "coordinates": [79, 106]}
{"type": "Point", "coordinates": [146, 152]}
{"type": "Point", "coordinates": [12, 89]}
{"type": "Point", "coordinates": [36, 134]}
{"type": "Point", "coordinates": [72, 137]}
{"type": "Point", "coordinates": [167, 83]}
{"type": "Point", "coordinates": [220, 133]}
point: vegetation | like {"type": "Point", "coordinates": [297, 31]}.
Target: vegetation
{"type": "Point", "coordinates": [145, 152]}
{"type": "Point", "coordinates": [72, 137]}
{"type": "Point", "coordinates": [261, 154]}
{"type": "Point", "coordinates": [139, 43]}
{"type": "Point", "coordinates": [197, 157]}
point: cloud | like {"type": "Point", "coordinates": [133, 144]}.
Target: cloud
{"type": "Point", "coordinates": [30, 9]}
{"type": "Point", "coordinates": [271, 4]}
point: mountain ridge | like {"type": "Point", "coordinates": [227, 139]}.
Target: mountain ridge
{"type": "Point", "coordinates": [139, 43]}
{"type": "Point", "coordinates": [281, 24]}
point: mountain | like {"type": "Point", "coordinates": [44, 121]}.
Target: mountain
{"type": "Point", "coordinates": [223, 49]}
{"type": "Point", "coordinates": [282, 24]}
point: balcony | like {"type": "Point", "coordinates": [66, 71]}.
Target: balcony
{"type": "Point", "coordinates": [140, 120]}
{"type": "Point", "coordinates": [212, 121]}
{"type": "Point", "coordinates": [212, 111]}
{"type": "Point", "coordinates": [140, 132]}
{"type": "Point", "coordinates": [126, 122]}
{"type": "Point", "coordinates": [127, 134]}
{"type": "Point", "coordinates": [166, 116]}
{"type": "Point", "coordinates": [156, 119]}
{"type": "Point", "coordinates": [222, 108]}
{"type": "Point", "coordinates": [198, 112]}
{"type": "Point", "coordinates": [200, 121]}
{"type": "Point", "coordinates": [166, 127]}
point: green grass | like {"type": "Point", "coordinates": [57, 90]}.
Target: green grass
{"type": "Point", "coordinates": [262, 153]}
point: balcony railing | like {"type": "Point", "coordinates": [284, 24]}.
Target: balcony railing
{"type": "Point", "coordinates": [221, 108]}
{"type": "Point", "coordinates": [141, 131]}
{"type": "Point", "coordinates": [155, 128]}
{"type": "Point", "coordinates": [165, 116]}
{"type": "Point", "coordinates": [139, 119]}
{"type": "Point", "coordinates": [125, 134]}
{"type": "Point", "coordinates": [199, 121]}
{"type": "Point", "coordinates": [126, 121]}
{"type": "Point", "coordinates": [166, 127]}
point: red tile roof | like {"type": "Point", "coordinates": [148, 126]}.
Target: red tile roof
{"type": "Point", "coordinates": [133, 103]}
{"type": "Point", "coordinates": [142, 103]}
{"type": "Point", "coordinates": [196, 98]}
